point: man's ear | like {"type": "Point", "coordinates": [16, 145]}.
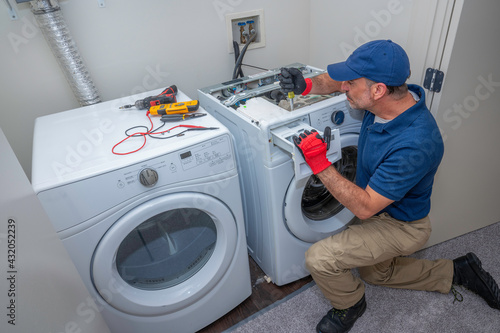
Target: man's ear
{"type": "Point", "coordinates": [378, 90]}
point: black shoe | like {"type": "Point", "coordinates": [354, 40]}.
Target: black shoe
{"type": "Point", "coordinates": [469, 273]}
{"type": "Point", "coordinates": [340, 321]}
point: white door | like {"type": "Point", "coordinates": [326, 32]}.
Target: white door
{"type": "Point", "coordinates": [165, 254]}
{"type": "Point", "coordinates": [465, 195]}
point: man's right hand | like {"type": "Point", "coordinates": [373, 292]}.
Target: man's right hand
{"type": "Point", "coordinates": [291, 79]}
{"type": "Point", "coordinates": [313, 148]}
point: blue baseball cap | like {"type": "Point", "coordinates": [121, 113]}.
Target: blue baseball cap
{"type": "Point", "coordinates": [379, 60]}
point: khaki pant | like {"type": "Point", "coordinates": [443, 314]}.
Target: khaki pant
{"type": "Point", "coordinates": [375, 247]}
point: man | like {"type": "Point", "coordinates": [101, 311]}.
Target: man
{"type": "Point", "coordinates": [399, 151]}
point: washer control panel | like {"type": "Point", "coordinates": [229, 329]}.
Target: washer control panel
{"type": "Point", "coordinates": [338, 115]}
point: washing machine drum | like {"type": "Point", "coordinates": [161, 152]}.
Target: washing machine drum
{"type": "Point", "coordinates": [165, 254]}
{"type": "Point", "coordinates": [311, 212]}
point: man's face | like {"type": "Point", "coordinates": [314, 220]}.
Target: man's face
{"type": "Point", "coordinates": [358, 94]}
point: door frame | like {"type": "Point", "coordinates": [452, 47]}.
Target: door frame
{"type": "Point", "coordinates": [430, 39]}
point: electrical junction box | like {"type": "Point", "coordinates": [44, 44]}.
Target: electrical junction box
{"type": "Point", "coordinates": [240, 25]}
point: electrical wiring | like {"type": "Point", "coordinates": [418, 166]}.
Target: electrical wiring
{"type": "Point", "coordinates": [256, 67]}
{"type": "Point", "coordinates": [153, 133]}
{"type": "Point", "coordinates": [237, 66]}
{"type": "Point", "coordinates": [236, 48]}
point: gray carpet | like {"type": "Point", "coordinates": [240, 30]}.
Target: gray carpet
{"type": "Point", "coordinates": [394, 310]}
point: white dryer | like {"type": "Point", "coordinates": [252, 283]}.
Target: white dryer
{"type": "Point", "coordinates": [157, 234]}
{"type": "Point", "coordinates": [287, 208]}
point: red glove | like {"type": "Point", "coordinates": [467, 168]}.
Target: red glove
{"type": "Point", "coordinates": [313, 148]}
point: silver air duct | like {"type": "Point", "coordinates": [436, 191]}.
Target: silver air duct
{"type": "Point", "coordinates": [51, 23]}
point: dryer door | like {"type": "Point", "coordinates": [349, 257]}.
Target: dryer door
{"type": "Point", "coordinates": [164, 254]}
{"type": "Point", "coordinates": [311, 212]}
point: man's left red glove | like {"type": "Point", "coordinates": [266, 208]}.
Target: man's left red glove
{"type": "Point", "coordinates": [313, 147]}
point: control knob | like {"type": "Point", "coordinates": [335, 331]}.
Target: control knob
{"type": "Point", "coordinates": [338, 117]}
{"type": "Point", "coordinates": [148, 177]}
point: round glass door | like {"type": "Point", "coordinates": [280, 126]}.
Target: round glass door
{"type": "Point", "coordinates": [311, 212]}
{"type": "Point", "coordinates": [164, 254]}
{"type": "Point", "coordinates": [167, 249]}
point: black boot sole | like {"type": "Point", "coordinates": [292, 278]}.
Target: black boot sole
{"type": "Point", "coordinates": [488, 281]}
{"type": "Point", "coordinates": [361, 312]}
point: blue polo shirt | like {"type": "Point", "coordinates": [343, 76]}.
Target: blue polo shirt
{"type": "Point", "coordinates": [399, 159]}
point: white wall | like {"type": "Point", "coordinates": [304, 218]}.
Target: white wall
{"type": "Point", "coordinates": [337, 28]}
{"type": "Point", "coordinates": [134, 46]}
{"type": "Point", "coordinates": [51, 296]}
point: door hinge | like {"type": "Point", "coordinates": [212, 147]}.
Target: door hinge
{"type": "Point", "coordinates": [433, 79]}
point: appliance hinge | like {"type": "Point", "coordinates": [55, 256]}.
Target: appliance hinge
{"type": "Point", "coordinates": [433, 79]}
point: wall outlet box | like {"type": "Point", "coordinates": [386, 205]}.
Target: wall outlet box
{"type": "Point", "coordinates": [238, 25]}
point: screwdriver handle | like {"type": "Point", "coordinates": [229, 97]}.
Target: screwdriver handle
{"type": "Point", "coordinates": [327, 135]}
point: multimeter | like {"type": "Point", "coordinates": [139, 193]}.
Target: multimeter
{"type": "Point", "coordinates": [174, 108]}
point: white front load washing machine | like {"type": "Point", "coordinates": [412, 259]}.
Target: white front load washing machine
{"type": "Point", "coordinates": [157, 233]}
{"type": "Point", "coordinates": [286, 208]}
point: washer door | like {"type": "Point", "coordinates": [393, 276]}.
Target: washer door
{"type": "Point", "coordinates": [164, 254]}
{"type": "Point", "coordinates": [311, 212]}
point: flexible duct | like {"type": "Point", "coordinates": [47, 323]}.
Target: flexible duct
{"type": "Point", "coordinates": [51, 22]}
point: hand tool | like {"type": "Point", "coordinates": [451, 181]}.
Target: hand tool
{"type": "Point", "coordinates": [174, 108]}
{"type": "Point", "coordinates": [178, 117]}
{"type": "Point", "coordinates": [291, 96]}
{"type": "Point", "coordinates": [166, 96]}
{"type": "Point", "coordinates": [327, 136]}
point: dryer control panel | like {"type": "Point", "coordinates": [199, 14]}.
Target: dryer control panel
{"type": "Point", "coordinates": [97, 194]}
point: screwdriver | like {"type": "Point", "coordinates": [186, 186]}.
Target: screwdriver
{"type": "Point", "coordinates": [174, 108]}
{"type": "Point", "coordinates": [166, 96]}
{"type": "Point", "coordinates": [179, 117]}
{"type": "Point", "coordinates": [291, 96]}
